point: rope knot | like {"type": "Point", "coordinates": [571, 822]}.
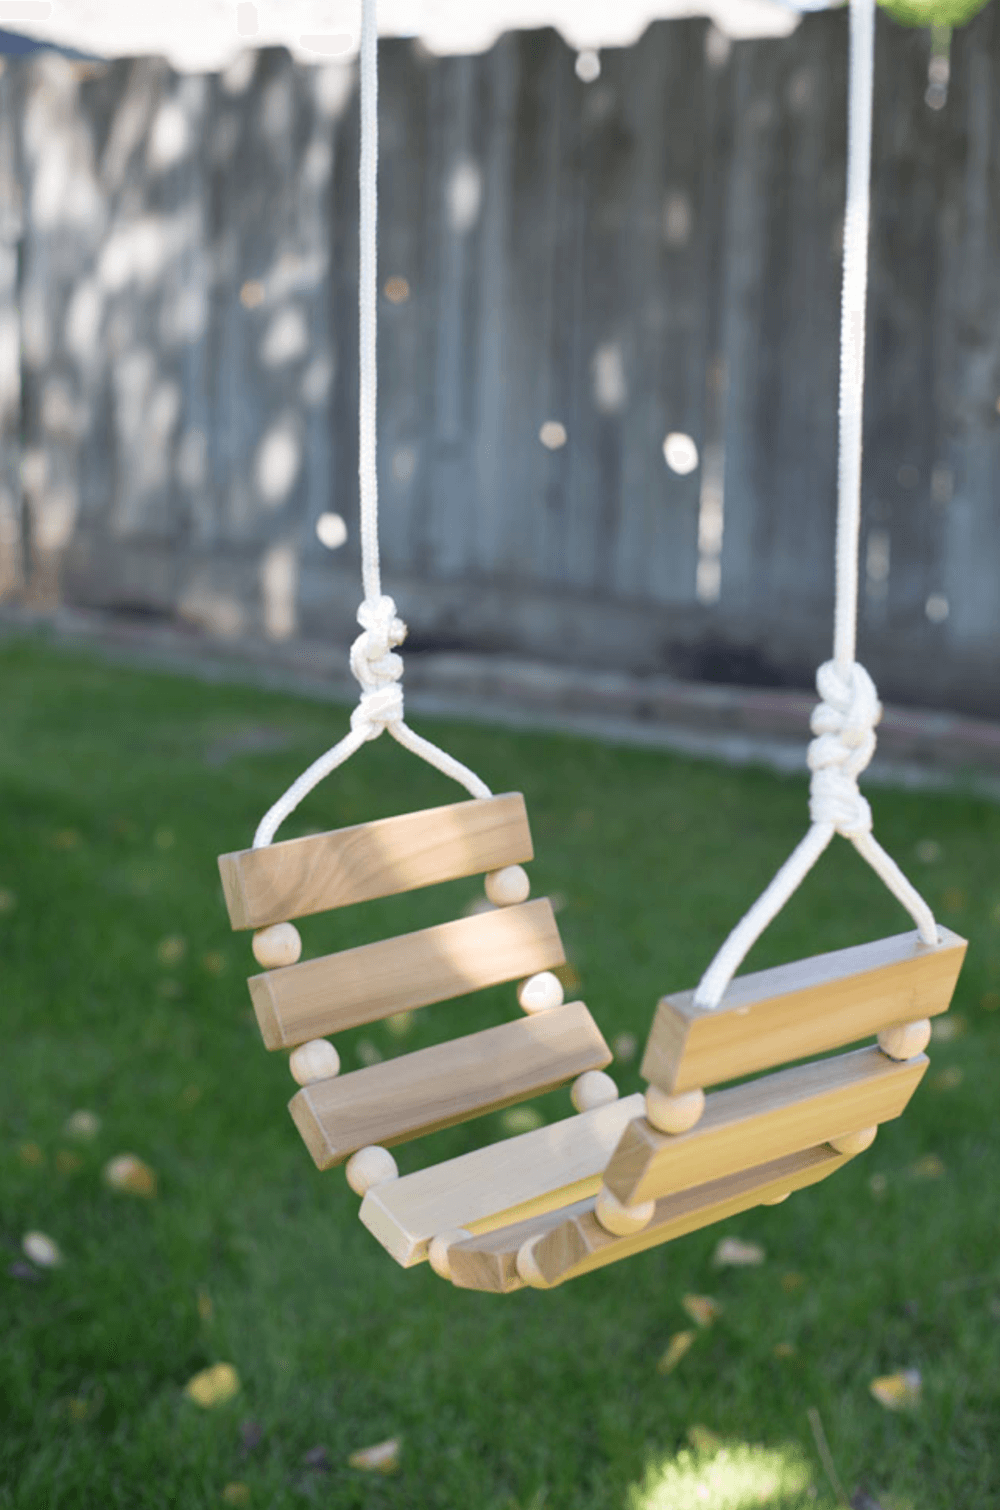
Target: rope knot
{"type": "Point", "coordinates": [377, 668]}
{"type": "Point", "coordinates": [844, 725]}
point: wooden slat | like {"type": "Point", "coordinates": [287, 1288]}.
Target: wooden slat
{"type": "Point", "coordinates": [360, 985]}
{"type": "Point", "coordinates": [762, 1120]}
{"type": "Point", "coordinates": [418, 1093]}
{"type": "Point", "coordinates": [500, 1184]}
{"type": "Point", "coordinates": [573, 1242]}
{"type": "Point", "coordinates": [796, 1010]}
{"type": "Point", "coordinates": [300, 876]}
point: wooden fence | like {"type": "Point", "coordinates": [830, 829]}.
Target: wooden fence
{"type": "Point", "coordinates": [571, 272]}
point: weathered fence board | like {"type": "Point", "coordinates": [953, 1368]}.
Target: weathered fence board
{"type": "Point", "coordinates": [657, 251]}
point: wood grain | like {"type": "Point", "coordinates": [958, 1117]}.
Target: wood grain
{"type": "Point", "coordinates": [796, 1010]}
{"type": "Point", "coordinates": [762, 1120]}
{"type": "Point", "coordinates": [339, 991]}
{"type": "Point", "coordinates": [418, 1093]}
{"type": "Point", "coordinates": [499, 1184]}
{"type": "Point", "coordinates": [300, 876]}
{"type": "Point", "coordinates": [573, 1242]}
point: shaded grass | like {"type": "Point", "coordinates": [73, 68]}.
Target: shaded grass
{"type": "Point", "coordinates": [119, 789]}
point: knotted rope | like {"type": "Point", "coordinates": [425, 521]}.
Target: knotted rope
{"type": "Point", "coordinates": [374, 663]}
{"type": "Point", "coordinates": [844, 722]}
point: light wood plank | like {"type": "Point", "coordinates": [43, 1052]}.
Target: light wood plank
{"type": "Point", "coordinates": [573, 1242]}
{"type": "Point", "coordinates": [299, 876]}
{"type": "Point", "coordinates": [340, 991]}
{"type": "Point", "coordinates": [500, 1184]}
{"type": "Point", "coordinates": [762, 1120]}
{"type": "Point", "coordinates": [418, 1093]}
{"type": "Point", "coordinates": [808, 1007]}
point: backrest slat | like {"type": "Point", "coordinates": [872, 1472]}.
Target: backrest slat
{"type": "Point", "coordinates": [340, 991]}
{"type": "Point", "coordinates": [297, 877]}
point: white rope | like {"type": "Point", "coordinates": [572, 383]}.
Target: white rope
{"type": "Point", "coordinates": [844, 721]}
{"type": "Point", "coordinates": [373, 660]}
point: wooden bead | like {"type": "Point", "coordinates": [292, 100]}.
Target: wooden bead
{"type": "Point", "coordinates": [674, 1114]}
{"type": "Point", "coordinates": [619, 1219]}
{"type": "Point", "coordinates": [506, 887]}
{"type": "Point", "coordinates": [316, 1060]}
{"type": "Point", "coordinates": [369, 1167]}
{"type": "Point", "coordinates": [540, 992]}
{"type": "Point", "coordinates": [277, 946]}
{"type": "Point", "coordinates": [906, 1041]}
{"type": "Point", "coordinates": [528, 1269]}
{"type": "Point", "coordinates": [438, 1250]}
{"type": "Point", "coordinates": [593, 1089]}
{"type": "Point", "coordinates": [856, 1142]}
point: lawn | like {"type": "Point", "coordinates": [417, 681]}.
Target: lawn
{"type": "Point", "coordinates": [124, 997]}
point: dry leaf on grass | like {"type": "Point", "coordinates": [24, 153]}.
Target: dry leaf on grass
{"type": "Point", "coordinates": [702, 1309]}
{"type": "Point", "coordinates": [213, 1386]}
{"type": "Point", "coordinates": [930, 1167]}
{"type": "Point", "coordinates": [129, 1175]}
{"type": "Point", "coordinates": [733, 1252]}
{"type": "Point", "coordinates": [42, 1250]}
{"type": "Point", "coordinates": [679, 1344]}
{"type": "Point", "coordinates": [382, 1458]}
{"type": "Point", "coordinates": [702, 1439]}
{"type": "Point", "coordinates": [897, 1391]}
{"type": "Point", "coordinates": [84, 1125]}
{"type": "Point", "coordinates": [31, 1154]}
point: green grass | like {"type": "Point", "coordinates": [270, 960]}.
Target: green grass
{"type": "Point", "coordinates": [116, 800]}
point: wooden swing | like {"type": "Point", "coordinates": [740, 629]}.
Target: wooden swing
{"type": "Point", "coordinates": [621, 1175]}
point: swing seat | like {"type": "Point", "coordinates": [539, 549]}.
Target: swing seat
{"type": "Point", "coordinates": [757, 1141]}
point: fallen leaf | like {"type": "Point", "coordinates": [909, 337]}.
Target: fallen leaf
{"type": "Point", "coordinates": [897, 1391]}
{"type": "Point", "coordinates": [521, 1119]}
{"type": "Point", "coordinates": [702, 1309]}
{"type": "Point", "coordinates": [213, 1386]}
{"type": "Point", "coordinates": [930, 1167]}
{"type": "Point", "coordinates": [624, 1047]}
{"type": "Point", "coordinates": [83, 1125]}
{"type": "Point", "coordinates": [949, 1079]}
{"type": "Point", "coordinates": [30, 1154]}
{"type": "Point", "coordinates": [735, 1253]}
{"type": "Point", "coordinates": [946, 1029]}
{"type": "Point", "coordinates": [42, 1250]}
{"type": "Point", "coordinates": [785, 1350]}
{"type": "Point", "coordinates": [171, 950]}
{"type": "Point", "coordinates": [236, 1494]}
{"type": "Point", "coordinates": [679, 1344]}
{"type": "Point", "coordinates": [129, 1175]}
{"type": "Point", "coordinates": [703, 1440]}
{"type": "Point", "coordinates": [791, 1282]}
{"type": "Point", "coordinates": [382, 1458]}
{"type": "Point", "coordinates": [8, 900]}
{"type": "Point", "coordinates": [68, 1162]}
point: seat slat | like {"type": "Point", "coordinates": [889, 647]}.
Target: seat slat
{"type": "Point", "coordinates": [762, 1120]}
{"type": "Point", "coordinates": [494, 1186]}
{"type": "Point", "coordinates": [419, 1093]}
{"type": "Point", "coordinates": [300, 876]}
{"type": "Point", "coordinates": [811, 1006]}
{"type": "Point", "coordinates": [340, 991]}
{"type": "Point", "coordinates": [573, 1242]}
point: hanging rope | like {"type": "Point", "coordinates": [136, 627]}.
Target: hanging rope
{"type": "Point", "coordinates": [374, 663]}
{"type": "Point", "coordinates": [844, 722]}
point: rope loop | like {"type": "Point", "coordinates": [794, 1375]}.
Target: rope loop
{"type": "Point", "coordinates": [844, 725]}
{"type": "Point", "coordinates": [377, 669]}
